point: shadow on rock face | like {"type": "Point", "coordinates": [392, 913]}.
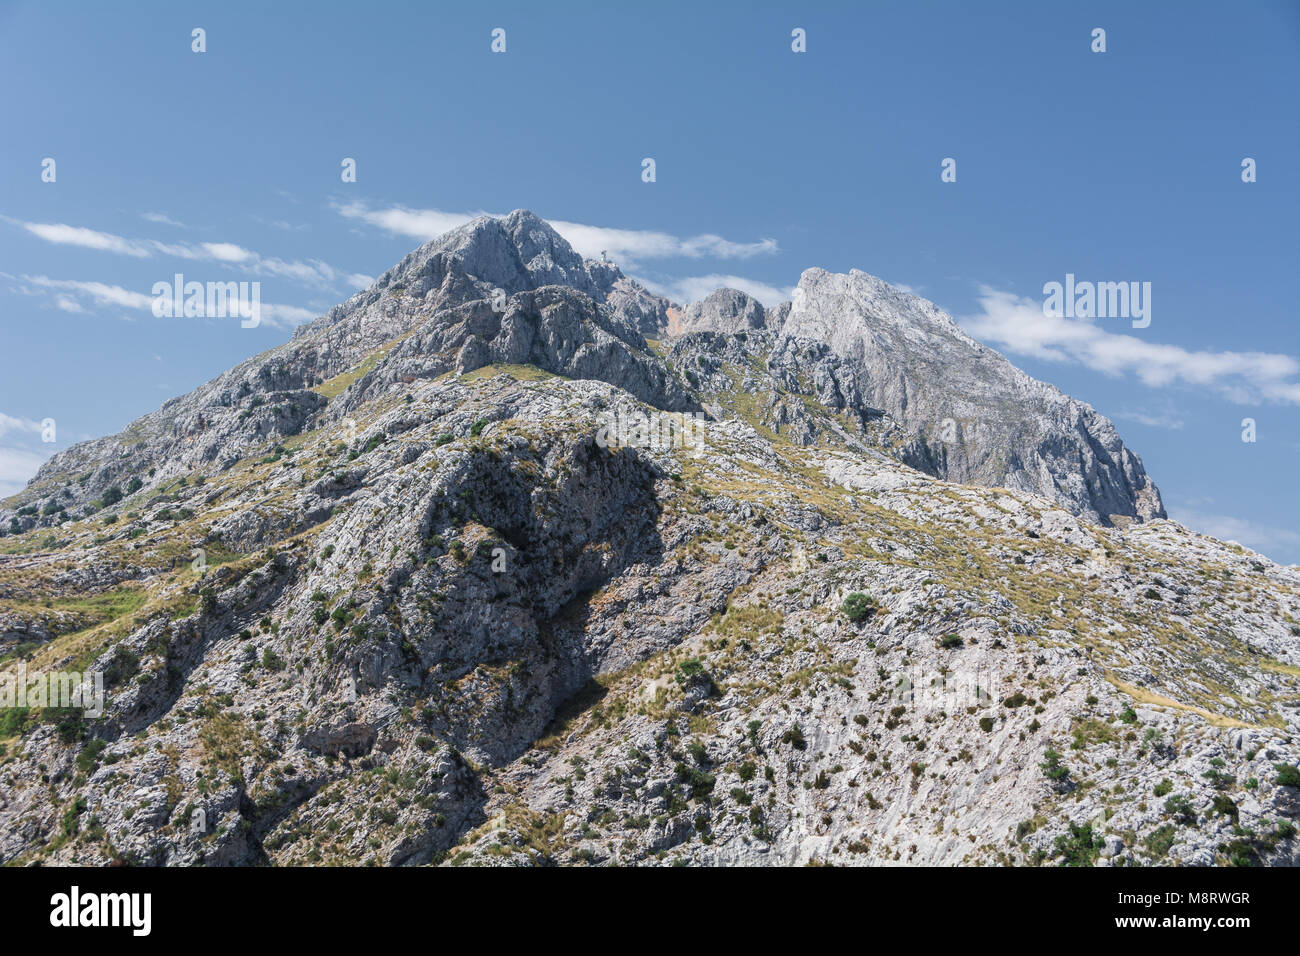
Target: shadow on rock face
{"type": "Point", "coordinates": [509, 641]}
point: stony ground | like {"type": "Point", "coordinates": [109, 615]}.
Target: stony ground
{"type": "Point", "coordinates": [471, 634]}
{"type": "Point", "coordinates": [395, 593]}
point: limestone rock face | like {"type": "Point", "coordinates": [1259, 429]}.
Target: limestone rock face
{"type": "Point", "coordinates": [727, 310]}
{"type": "Point", "coordinates": [409, 590]}
{"type": "Point", "coordinates": [977, 417]}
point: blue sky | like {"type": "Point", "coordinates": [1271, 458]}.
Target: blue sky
{"type": "Point", "coordinates": [1115, 166]}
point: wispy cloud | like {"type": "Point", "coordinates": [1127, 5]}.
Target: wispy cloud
{"type": "Point", "coordinates": [286, 316]}
{"type": "Point", "coordinates": [68, 304]}
{"type": "Point", "coordinates": [17, 466]}
{"type": "Point", "coordinates": [590, 241]}
{"type": "Point", "coordinates": [422, 224]}
{"type": "Point", "coordinates": [1018, 324]}
{"type": "Point", "coordinates": [1152, 419]}
{"type": "Point", "coordinates": [1264, 538]}
{"type": "Point", "coordinates": [14, 425]}
{"type": "Point", "coordinates": [637, 244]}
{"type": "Point", "coordinates": [311, 271]}
{"type": "Point", "coordinates": [694, 288]}
{"type": "Point", "coordinates": [104, 294]}
{"type": "Point", "coordinates": [162, 219]}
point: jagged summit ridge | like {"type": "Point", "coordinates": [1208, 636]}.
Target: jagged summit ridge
{"type": "Point", "coordinates": [972, 415]}
{"type": "Point", "coordinates": [955, 408]}
{"type": "Point", "coordinates": [386, 595]}
{"type": "Point", "coordinates": [976, 416]}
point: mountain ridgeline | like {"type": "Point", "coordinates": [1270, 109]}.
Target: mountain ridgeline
{"type": "Point", "coordinates": [397, 593]}
{"type": "Point", "coordinates": [512, 291]}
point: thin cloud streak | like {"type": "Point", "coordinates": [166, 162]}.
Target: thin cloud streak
{"type": "Point", "coordinates": [103, 294]}
{"type": "Point", "coordinates": [311, 271]}
{"type": "Point", "coordinates": [589, 241]}
{"type": "Point", "coordinates": [695, 288]}
{"type": "Point", "coordinates": [1250, 534]}
{"type": "Point", "coordinates": [1017, 324]}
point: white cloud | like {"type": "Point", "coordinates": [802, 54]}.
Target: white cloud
{"type": "Point", "coordinates": [694, 288]}
{"type": "Point", "coordinates": [589, 241]}
{"type": "Point", "coordinates": [17, 466]}
{"type": "Point", "coordinates": [162, 219]}
{"type": "Point", "coordinates": [1259, 537]}
{"type": "Point", "coordinates": [1150, 419]}
{"type": "Point", "coordinates": [227, 252]}
{"type": "Point", "coordinates": [312, 271]}
{"type": "Point", "coordinates": [422, 224]}
{"type": "Point", "coordinates": [11, 424]}
{"type": "Point", "coordinates": [636, 244]}
{"type": "Point", "coordinates": [65, 235]}
{"type": "Point", "coordinates": [101, 292]}
{"type": "Point", "coordinates": [68, 304]}
{"type": "Point", "coordinates": [1018, 324]}
{"type": "Point", "coordinates": [359, 280]}
{"type": "Point", "coordinates": [286, 315]}
{"type": "Point", "coordinates": [282, 316]}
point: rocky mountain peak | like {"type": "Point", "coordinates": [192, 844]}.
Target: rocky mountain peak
{"type": "Point", "coordinates": [726, 310]}
{"type": "Point", "coordinates": [977, 417]}
{"type": "Point", "coordinates": [419, 586]}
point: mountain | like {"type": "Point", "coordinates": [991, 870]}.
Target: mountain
{"type": "Point", "coordinates": [973, 415]}
{"type": "Point", "coordinates": [507, 560]}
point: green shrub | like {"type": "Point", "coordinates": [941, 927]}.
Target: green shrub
{"type": "Point", "coordinates": [858, 606]}
{"type": "Point", "coordinates": [1159, 841]}
{"type": "Point", "coordinates": [1224, 806]}
{"type": "Point", "coordinates": [794, 737]}
{"type": "Point", "coordinates": [13, 720]}
{"type": "Point", "coordinates": [1052, 767]}
{"type": "Point", "coordinates": [1180, 808]}
{"type": "Point", "coordinates": [1080, 846]}
{"type": "Point", "coordinates": [1288, 775]}
{"type": "Point", "coordinates": [72, 817]}
{"type": "Point", "coordinates": [701, 782]}
{"type": "Point", "coordinates": [88, 759]}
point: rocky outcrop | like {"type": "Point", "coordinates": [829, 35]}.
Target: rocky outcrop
{"type": "Point", "coordinates": [977, 418]}
{"type": "Point", "coordinates": [727, 311]}
{"type": "Point", "coordinates": [403, 592]}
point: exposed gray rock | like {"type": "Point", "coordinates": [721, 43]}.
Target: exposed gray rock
{"type": "Point", "coordinates": [977, 417]}
{"type": "Point", "coordinates": [726, 310]}
{"type": "Point", "coordinates": [411, 605]}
